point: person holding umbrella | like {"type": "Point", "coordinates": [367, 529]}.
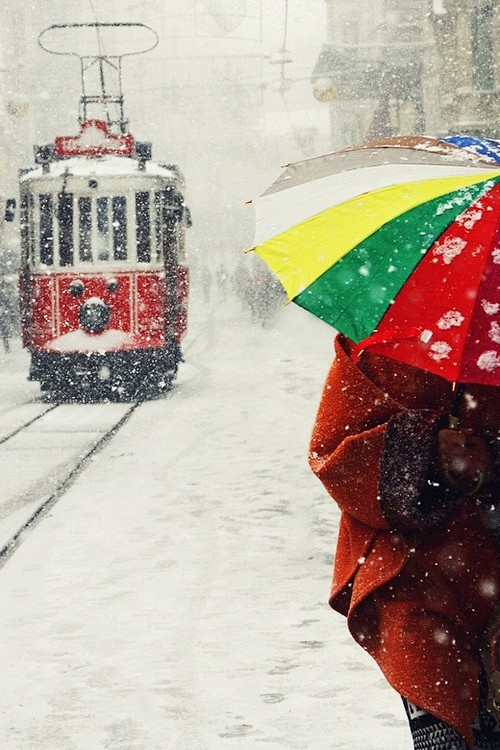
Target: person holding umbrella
{"type": "Point", "coordinates": [416, 569]}
{"type": "Point", "coordinates": [397, 245]}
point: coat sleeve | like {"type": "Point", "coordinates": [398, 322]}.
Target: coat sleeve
{"type": "Point", "coordinates": [347, 440]}
{"type": "Point", "coordinates": [374, 457]}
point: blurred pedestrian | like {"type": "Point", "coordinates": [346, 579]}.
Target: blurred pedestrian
{"type": "Point", "coordinates": [6, 314]}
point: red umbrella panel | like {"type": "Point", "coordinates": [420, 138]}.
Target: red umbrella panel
{"type": "Point", "coordinates": [445, 318]}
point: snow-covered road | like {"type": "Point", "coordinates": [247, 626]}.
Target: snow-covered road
{"type": "Point", "coordinates": [176, 597]}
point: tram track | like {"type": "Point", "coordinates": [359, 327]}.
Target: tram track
{"type": "Point", "coordinates": [4, 410]}
{"type": "Point", "coordinates": [21, 510]}
{"type": "Point", "coordinates": [24, 425]}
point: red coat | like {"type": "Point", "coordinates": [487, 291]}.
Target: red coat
{"type": "Point", "coordinates": [417, 600]}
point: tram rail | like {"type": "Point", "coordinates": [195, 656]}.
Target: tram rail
{"type": "Point", "coordinates": [25, 424]}
{"type": "Point", "coordinates": [21, 510]}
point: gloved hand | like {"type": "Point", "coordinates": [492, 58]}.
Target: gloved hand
{"type": "Point", "coordinates": [464, 460]}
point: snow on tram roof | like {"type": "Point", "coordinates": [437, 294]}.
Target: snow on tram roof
{"type": "Point", "coordinates": [109, 166]}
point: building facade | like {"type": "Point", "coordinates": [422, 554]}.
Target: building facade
{"type": "Point", "coordinates": [410, 66]}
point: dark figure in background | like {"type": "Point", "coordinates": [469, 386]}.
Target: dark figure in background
{"type": "Point", "coordinates": [416, 569]}
{"type": "Point", "coordinates": [264, 296]}
{"type": "Point", "coordinates": [6, 314]}
{"type": "Point", "coordinates": [222, 283]}
{"type": "Point", "coordinates": [206, 283]}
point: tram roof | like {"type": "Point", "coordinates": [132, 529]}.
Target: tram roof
{"type": "Point", "coordinates": [109, 166]}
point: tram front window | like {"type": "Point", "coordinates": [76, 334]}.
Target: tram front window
{"type": "Point", "coordinates": [103, 235]}
{"type": "Point", "coordinates": [85, 229]}
{"type": "Point", "coordinates": [65, 229]}
{"type": "Point", "coordinates": [119, 205]}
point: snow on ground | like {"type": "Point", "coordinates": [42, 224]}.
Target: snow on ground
{"type": "Point", "coordinates": [176, 597]}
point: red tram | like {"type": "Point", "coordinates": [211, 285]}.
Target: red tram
{"type": "Point", "coordinates": [104, 281]}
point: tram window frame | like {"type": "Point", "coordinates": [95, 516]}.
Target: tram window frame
{"type": "Point", "coordinates": [46, 234]}
{"type": "Point", "coordinates": [65, 216]}
{"type": "Point", "coordinates": [143, 225]}
{"type": "Point", "coordinates": [84, 204]}
{"type": "Point", "coordinates": [119, 226]}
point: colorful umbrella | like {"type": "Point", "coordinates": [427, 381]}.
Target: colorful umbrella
{"type": "Point", "coordinates": [483, 146]}
{"type": "Point", "coordinates": [397, 245]}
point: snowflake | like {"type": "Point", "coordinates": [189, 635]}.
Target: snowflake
{"type": "Point", "coordinates": [450, 248]}
{"type": "Point", "coordinates": [488, 588]}
{"type": "Point", "coordinates": [440, 350]}
{"type": "Point", "coordinates": [489, 361]}
{"type": "Point", "coordinates": [468, 219]}
{"type": "Point", "coordinates": [490, 308]}
{"type": "Point", "coordinates": [441, 636]}
{"type": "Point", "coordinates": [496, 256]}
{"type": "Point", "coordinates": [470, 401]}
{"type": "Point", "coordinates": [450, 319]}
{"type": "Point", "coordinates": [494, 332]}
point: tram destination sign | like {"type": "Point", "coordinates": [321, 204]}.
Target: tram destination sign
{"type": "Point", "coordinates": [94, 139]}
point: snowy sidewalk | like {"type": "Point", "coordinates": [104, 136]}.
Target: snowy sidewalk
{"type": "Point", "coordinates": [175, 598]}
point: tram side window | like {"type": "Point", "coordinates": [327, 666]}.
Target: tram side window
{"type": "Point", "coordinates": [31, 227]}
{"type": "Point", "coordinates": [85, 229]}
{"type": "Point", "coordinates": [46, 230]}
{"type": "Point", "coordinates": [142, 227]}
{"type": "Point", "coordinates": [119, 208]}
{"type": "Point", "coordinates": [65, 229]}
{"type": "Point", "coordinates": [103, 228]}
{"type": "Point", "coordinates": [159, 223]}
{"type": "Point", "coordinates": [23, 218]}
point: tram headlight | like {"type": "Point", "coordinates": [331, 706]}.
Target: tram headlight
{"type": "Point", "coordinates": [76, 288]}
{"type": "Point", "coordinates": [94, 315]}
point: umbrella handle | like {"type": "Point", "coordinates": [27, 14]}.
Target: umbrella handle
{"type": "Point", "coordinates": [458, 390]}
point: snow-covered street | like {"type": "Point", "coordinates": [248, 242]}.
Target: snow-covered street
{"type": "Point", "coordinates": [176, 596]}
